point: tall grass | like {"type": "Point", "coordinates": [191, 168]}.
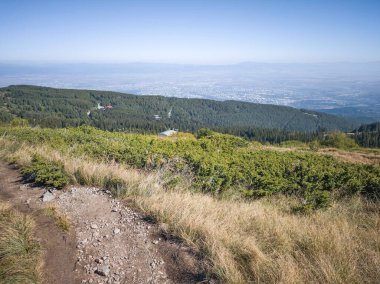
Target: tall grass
{"type": "Point", "coordinates": [246, 242]}
{"type": "Point", "coordinates": [20, 255]}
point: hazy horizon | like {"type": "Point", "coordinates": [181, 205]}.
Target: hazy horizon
{"type": "Point", "coordinates": [307, 54]}
{"type": "Point", "coordinates": [323, 86]}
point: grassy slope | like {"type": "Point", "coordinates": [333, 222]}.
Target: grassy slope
{"type": "Point", "coordinates": [219, 164]}
{"type": "Point", "coordinates": [19, 252]}
{"type": "Point", "coordinates": [247, 241]}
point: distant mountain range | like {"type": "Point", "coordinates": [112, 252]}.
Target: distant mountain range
{"type": "Point", "coordinates": [50, 107]}
{"type": "Point", "coordinates": [365, 114]}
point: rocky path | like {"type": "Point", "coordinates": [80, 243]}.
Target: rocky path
{"type": "Point", "coordinates": [107, 243]}
{"type": "Point", "coordinates": [114, 243]}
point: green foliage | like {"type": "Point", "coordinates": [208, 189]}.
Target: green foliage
{"type": "Point", "coordinates": [339, 140]}
{"type": "Point", "coordinates": [117, 186]}
{"type": "Point", "coordinates": [315, 145]}
{"type": "Point", "coordinates": [217, 163]}
{"type": "Point", "coordinates": [19, 122]}
{"type": "Point", "coordinates": [293, 143]}
{"type": "Point", "coordinates": [368, 135]}
{"type": "Point", "coordinates": [46, 173]}
{"type": "Point", "coordinates": [204, 132]}
{"type": "Point", "coordinates": [49, 107]}
{"type": "Point", "coordinates": [317, 199]}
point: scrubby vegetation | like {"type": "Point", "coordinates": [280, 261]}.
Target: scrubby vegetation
{"type": "Point", "coordinates": [218, 164]}
{"type": "Point", "coordinates": [20, 254]}
{"type": "Point", "coordinates": [339, 140]}
{"type": "Point", "coordinates": [46, 173]}
{"type": "Point", "coordinates": [240, 203]}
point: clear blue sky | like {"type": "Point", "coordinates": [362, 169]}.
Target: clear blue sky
{"type": "Point", "coordinates": [190, 31]}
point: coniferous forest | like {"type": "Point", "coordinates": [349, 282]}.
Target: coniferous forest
{"type": "Point", "coordinates": [56, 108]}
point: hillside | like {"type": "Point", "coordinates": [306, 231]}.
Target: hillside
{"type": "Point", "coordinates": [49, 107]}
{"type": "Point", "coordinates": [368, 135]}
{"type": "Point", "coordinates": [253, 213]}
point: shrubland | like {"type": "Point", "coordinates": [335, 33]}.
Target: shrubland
{"type": "Point", "coordinates": [260, 215]}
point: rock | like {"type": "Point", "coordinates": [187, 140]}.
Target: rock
{"type": "Point", "coordinates": [155, 242]}
{"type": "Point", "coordinates": [94, 226]}
{"type": "Point", "coordinates": [47, 196]}
{"type": "Point", "coordinates": [116, 231]}
{"type": "Point", "coordinates": [103, 270]}
{"type": "Point", "coordinates": [23, 187]}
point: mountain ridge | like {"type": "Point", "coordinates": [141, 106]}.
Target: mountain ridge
{"type": "Point", "coordinates": [53, 107]}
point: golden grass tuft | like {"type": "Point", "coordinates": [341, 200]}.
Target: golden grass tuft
{"type": "Point", "coordinates": [60, 219]}
{"type": "Point", "coordinates": [20, 253]}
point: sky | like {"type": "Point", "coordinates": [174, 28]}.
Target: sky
{"type": "Point", "coordinates": [189, 31]}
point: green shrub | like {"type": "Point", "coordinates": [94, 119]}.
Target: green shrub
{"type": "Point", "coordinates": [19, 122]}
{"type": "Point", "coordinates": [339, 140]}
{"type": "Point", "coordinates": [315, 145]}
{"type": "Point", "coordinates": [204, 132]}
{"type": "Point", "coordinates": [293, 143]}
{"type": "Point", "coordinates": [216, 163]}
{"type": "Point", "coordinates": [117, 186]}
{"type": "Point", "coordinates": [46, 173]}
{"type": "Point", "coordinates": [318, 199]}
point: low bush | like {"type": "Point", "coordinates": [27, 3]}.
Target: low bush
{"type": "Point", "coordinates": [43, 172]}
{"type": "Point", "coordinates": [116, 185]}
{"type": "Point", "coordinates": [217, 163]}
{"type": "Point", "coordinates": [339, 140]}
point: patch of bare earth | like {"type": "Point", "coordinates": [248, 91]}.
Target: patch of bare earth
{"type": "Point", "coordinates": [352, 157]}
{"type": "Point", "coordinates": [59, 246]}
{"type": "Point", "coordinates": [114, 244]}
{"type": "Point", "coordinates": [107, 243]}
{"type": "Point", "coordinates": [355, 157]}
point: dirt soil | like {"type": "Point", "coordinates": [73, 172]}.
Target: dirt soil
{"type": "Point", "coordinates": [108, 242]}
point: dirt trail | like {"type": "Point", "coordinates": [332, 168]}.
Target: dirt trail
{"type": "Point", "coordinates": [109, 243]}
{"type": "Point", "coordinates": [59, 247]}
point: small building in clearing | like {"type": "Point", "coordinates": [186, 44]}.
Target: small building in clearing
{"type": "Point", "coordinates": [168, 133]}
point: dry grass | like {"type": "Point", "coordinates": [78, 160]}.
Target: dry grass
{"type": "Point", "coordinates": [352, 157]}
{"type": "Point", "coordinates": [20, 254]}
{"type": "Point", "coordinates": [247, 242]}
{"type": "Point", "coordinates": [60, 219]}
{"type": "Point", "coordinates": [361, 156]}
{"type": "Point", "coordinates": [259, 243]}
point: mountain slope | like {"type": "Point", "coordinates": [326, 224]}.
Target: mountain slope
{"type": "Point", "coordinates": [64, 107]}
{"type": "Point", "coordinates": [368, 135]}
